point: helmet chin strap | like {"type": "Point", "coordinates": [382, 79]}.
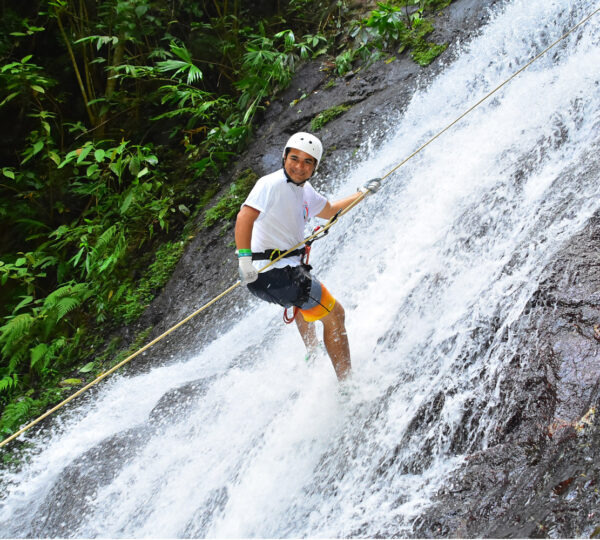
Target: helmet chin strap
{"type": "Point", "coordinates": [289, 178]}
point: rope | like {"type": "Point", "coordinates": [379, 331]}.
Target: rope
{"type": "Point", "coordinates": [468, 111]}
{"type": "Point", "coordinates": [311, 237]}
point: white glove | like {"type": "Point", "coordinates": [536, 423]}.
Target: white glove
{"type": "Point", "coordinates": [372, 186]}
{"type": "Point", "coordinates": [248, 272]}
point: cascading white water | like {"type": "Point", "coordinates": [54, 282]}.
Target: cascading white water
{"type": "Point", "coordinates": [431, 272]}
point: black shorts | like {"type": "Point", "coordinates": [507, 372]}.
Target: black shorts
{"type": "Point", "coordinates": [294, 286]}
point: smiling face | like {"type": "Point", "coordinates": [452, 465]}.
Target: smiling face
{"type": "Point", "coordinates": [299, 165]}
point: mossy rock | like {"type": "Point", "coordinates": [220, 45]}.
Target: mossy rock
{"type": "Point", "coordinates": [229, 204]}
{"type": "Point", "coordinates": [327, 116]}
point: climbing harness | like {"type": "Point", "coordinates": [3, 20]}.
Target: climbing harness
{"type": "Point", "coordinates": [288, 319]}
{"type": "Point", "coordinates": [272, 254]}
{"type": "Point", "coordinates": [321, 232]}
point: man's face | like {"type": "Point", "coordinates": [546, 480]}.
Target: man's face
{"type": "Point", "coordinates": [299, 165]}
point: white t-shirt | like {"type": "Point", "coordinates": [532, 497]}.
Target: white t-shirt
{"type": "Point", "coordinates": [284, 210]}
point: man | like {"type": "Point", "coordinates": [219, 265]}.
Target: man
{"type": "Point", "coordinates": [273, 217]}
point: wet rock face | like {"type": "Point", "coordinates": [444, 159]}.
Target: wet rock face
{"type": "Point", "coordinates": [71, 500]}
{"type": "Point", "coordinates": [72, 497]}
{"type": "Point", "coordinates": [540, 474]}
{"type": "Point", "coordinates": [180, 401]}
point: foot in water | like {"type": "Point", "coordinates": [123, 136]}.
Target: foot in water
{"type": "Point", "coordinates": [347, 388]}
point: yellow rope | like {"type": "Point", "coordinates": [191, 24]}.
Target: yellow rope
{"type": "Point", "coordinates": [321, 231]}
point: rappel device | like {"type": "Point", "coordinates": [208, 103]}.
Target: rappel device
{"type": "Point", "coordinates": [315, 235]}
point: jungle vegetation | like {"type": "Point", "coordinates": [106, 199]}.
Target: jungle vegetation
{"type": "Point", "coordinates": [119, 118]}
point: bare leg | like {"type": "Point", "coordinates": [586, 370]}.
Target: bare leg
{"type": "Point", "coordinates": [307, 332]}
{"type": "Point", "coordinates": [336, 341]}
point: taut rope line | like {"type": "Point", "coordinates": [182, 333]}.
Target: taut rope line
{"type": "Point", "coordinates": [314, 235]}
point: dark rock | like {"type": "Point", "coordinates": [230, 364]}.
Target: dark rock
{"type": "Point", "coordinates": [212, 506]}
{"type": "Point", "coordinates": [180, 400]}
{"type": "Point", "coordinates": [61, 512]}
{"type": "Point", "coordinates": [538, 476]}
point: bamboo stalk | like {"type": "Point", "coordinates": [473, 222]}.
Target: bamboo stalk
{"type": "Point", "coordinates": [76, 68]}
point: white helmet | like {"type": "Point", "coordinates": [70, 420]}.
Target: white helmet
{"type": "Point", "coordinates": [307, 143]}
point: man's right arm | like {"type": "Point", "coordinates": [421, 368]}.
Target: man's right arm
{"type": "Point", "coordinates": [244, 225]}
{"type": "Point", "coordinates": [243, 241]}
{"type": "Point", "coordinates": [331, 209]}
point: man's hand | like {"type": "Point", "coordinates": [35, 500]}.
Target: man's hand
{"type": "Point", "coordinates": [248, 272]}
{"type": "Point", "coordinates": [372, 186]}
{"type": "Point", "coordinates": [331, 209]}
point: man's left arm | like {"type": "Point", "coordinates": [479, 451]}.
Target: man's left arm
{"type": "Point", "coordinates": [331, 209]}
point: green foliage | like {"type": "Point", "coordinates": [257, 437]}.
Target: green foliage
{"type": "Point", "coordinates": [131, 299]}
{"type": "Point", "coordinates": [229, 204]}
{"type": "Point", "coordinates": [15, 414]}
{"type": "Point", "coordinates": [20, 411]}
{"type": "Point", "coordinates": [7, 382]}
{"type": "Point", "coordinates": [57, 291]}
{"type": "Point", "coordinates": [115, 353]}
{"type": "Point", "coordinates": [390, 28]}
{"type": "Point", "coordinates": [434, 4]}
{"type": "Point", "coordinates": [327, 115]}
{"type": "Point", "coordinates": [185, 65]}
{"type": "Point", "coordinates": [65, 299]}
{"type": "Point", "coordinates": [343, 61]}
{"type": "Point", "coordinates": [425, 53]}
{"type": "Point", "coordinates": [383, 28]}
{"type": "Point", "coordinates": [23, 79]}
{"type": "Point", "coordinates": [20, 271]}
{"type": "Point", "coordinates": [31, 341]}
{"type": "Point", "coordinates": [269, 63]}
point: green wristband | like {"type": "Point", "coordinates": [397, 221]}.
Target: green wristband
{"type": "Point", "coordinates": [244, 253]}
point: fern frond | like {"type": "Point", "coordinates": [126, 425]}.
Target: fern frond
{"type": "Point", "coordinates": [66, 305]}
{"type": "Point", "coordinates": [73, 290]}
{"type": "Point", "coordinates": [54, 297]}
{"type": "Point", "coordinates": [37, 353]}
{"type": "Point", "coordinates": [121, 245]}
{"type": "Point", "coordinates": [56, 346]}
{"type": "Point", "coordinates": [109, 256]}
{"type": "Point", "coordinates": [17, 357]}
{"type": "Point", "coordinates": [81, 290]}
{"type": "Point", "coordinates": [15, 414]}
{"type": "Point", "coordinates": [16, 328]}
{"type": "Point", "coordinates": [104, 239]}
{"type": "Point", "coordinates": [8, 382]}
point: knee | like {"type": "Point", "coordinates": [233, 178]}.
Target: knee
{"type": "Point", "coordinates": [337, 316]}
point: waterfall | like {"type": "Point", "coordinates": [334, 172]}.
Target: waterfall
{"type": "Point", "coordinates": [244, 439]}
